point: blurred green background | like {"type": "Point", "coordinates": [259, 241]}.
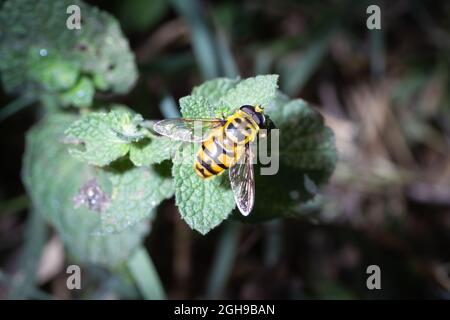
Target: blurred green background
{"type": "Point", "coordinates": [385, 94]}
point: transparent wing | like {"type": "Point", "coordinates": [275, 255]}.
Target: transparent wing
{"type": "Point", "coordinates": [243, 182]}
{"type": "Point", "coordinates": [189, 130]}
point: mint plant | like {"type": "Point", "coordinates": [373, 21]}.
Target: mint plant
{"type": "Point", "coordinates": [97, 172]}
{"type": "Point", "coordinates": [62, 67]}
{"type": "Point", "coordinates": [307, 153]}
{"type": "Point", "coordinates": [54, 179]}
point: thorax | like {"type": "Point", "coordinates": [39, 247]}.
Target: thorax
{"type": "Point", "coordinates": [240, 128]}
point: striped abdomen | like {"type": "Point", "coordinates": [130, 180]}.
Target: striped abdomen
{"type": "Point", "coordinates": [225, 145]}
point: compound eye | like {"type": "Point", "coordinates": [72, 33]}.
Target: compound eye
{"type": "Point", "coordinates": [259, 118]}
{"type": "Point", "coordinates": [247, 108]}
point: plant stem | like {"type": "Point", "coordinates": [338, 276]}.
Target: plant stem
{"type": "Point", "coordinates": [273, 243]}
{"type": "Point", "coordinates": [145, 275]}
{"type": "Point", "coordinates": [15, 106]}
{"type": "Point", "coordinates": [34, 293]}
{"type": "Point", "coordinates": [296, 76]}
{"type": "Point", "coordinates": [168, 107]}
{"type": "Point", "coordinates": [35, 237]}
{"type": "Point", "coordinates": [377, 54]}
{"type": "Point", "coordinates": [223, 261]}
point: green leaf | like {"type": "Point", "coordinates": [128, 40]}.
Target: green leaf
{"type": "Point", "coordinates": [39, 55]}
{"type": "Point", "coordinates": [204, 204]}
{"type": "Point", "coordinates": [259, 90]}
{"type": "Point", "coordinates": [125, 194]}
{"type": "Point", "coordinates": [54, 73]}
{"type": "Point", "coordinates": [135, 193]}
{"type": "Point", "coordinates": [196, 106]}
{"type": "Point", "coordinates": [307, 144]}
{"type": "Point", "coordinates": [81, 95]}
{"type": "Point", "coordinates": [224, 96]}
{"type": "Point", "coordinates": [153, 150]}
{"type": "Point", "coordinates": [54, 193]}
{"type": "Point", "coordinates": [103, 137]}
{"type": "Point", "coordinates": [214, 90]}
{"type": "Point", "coordinates": [307, 159]}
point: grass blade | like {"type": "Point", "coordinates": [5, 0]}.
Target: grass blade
{"type": "Point", "coordinates": [169, 108]}
{"type": "Point", "coordinates": [15, 106]}
{"type": "Point", "coordinates": [377, 54]}
{"type": "Point", "coordinates": [145, 275]}
{"type": "Point", "coordinates": [295, 77]}
{"type": "Point", "coordinates": [202, 39]}
{"type": "Point", "coordinates": [223, 261]}
{"type": "Point", "coordinates": [225, 55]}
{"type": "Point", "coordinates": [35, 237]}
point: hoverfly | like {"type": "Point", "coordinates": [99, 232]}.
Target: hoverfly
{"type": "Point", "coordinates": [225, 145]}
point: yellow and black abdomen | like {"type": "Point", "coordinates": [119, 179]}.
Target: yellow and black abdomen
{"type": "Point", "coordinates": [225, 145]}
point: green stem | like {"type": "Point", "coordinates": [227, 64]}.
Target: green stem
{"type": "Point", "coordinates": [145, 275]}
{"type": "Point", "coordinates": [34, 293]}
{"type": "Point", "coordinates": [15, 106]}
{"type": "Point", "coordinates": [35, 237]}
{"type": "Point", "coordinates": [273, 243]}
{"type": "Point", "coordinates": [223, 261]}
{"type": "Point", "coordinates": [168, 107]}
{"type": "Point", "coordinates": [296, 76]}
{"type": "Point", "coordinates": [377, 54]}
